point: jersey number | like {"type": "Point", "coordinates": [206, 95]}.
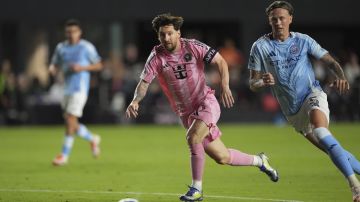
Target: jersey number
{"type": "Point", "coordinates": [314, 102]}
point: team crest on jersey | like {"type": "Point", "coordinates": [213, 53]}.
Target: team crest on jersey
{"type": "Point", "coordinates": [294, 49]}
{"type": "Point", "coordinates": [187, 57]}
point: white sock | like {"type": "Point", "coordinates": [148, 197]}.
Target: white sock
{"type": "Point", "coordinates": [257, 161]}
{"type": "Point", "coordinates": [67, 145]}
{"type": "Point", "coordinates": [197, 184]}
{"type": "Point", "coordinates": [353, 181]}
{"type": "Point", "coordinates": [84, 133]}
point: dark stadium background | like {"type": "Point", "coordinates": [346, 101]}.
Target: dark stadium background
{"type": "Point", "coordinates": [29, 31]}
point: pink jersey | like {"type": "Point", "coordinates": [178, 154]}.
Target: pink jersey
{"type": "Point", "coordinates": [181, 75]}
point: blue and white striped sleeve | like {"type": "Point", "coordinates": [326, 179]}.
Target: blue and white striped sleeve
{"type": "Point", "coordinates": [254, 58]}
{"type": "Point", "coordinates": [93, 55]}
{"type": "Point", "coordinates": [314, 48]}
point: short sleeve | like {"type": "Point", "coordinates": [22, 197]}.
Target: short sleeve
{"type": "Point", "coordinates": [150, 68]}
{"type": "Point", "coordinates": [254, 58]}
{"type": "Point", "coordinates": [93, 55]}
{"type": "Point", "coordinates": [55, 59]}
{"type": "Point", "coordinates": [314, 48]}
{"type": "Point", "coordinates": [203, 51]}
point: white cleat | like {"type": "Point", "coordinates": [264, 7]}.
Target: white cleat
{"type": "Point", "coordinates": [267, 169]}
{"type": "Point", "coordinates": [60, 160]}
{"type": "Point", "coordinates": [95, 146]}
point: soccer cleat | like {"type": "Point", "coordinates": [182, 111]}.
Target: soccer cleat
{"type": "Point", "coordinates": [60, 160]}
{"type": "Point", "coordinates": [267, 169]}
{"type": "Point", "coordinates": [95, 146]}
{"type": "Point", "coordinates": [192, 195]}
{"type": "Point", "coordinates": [356, 194]}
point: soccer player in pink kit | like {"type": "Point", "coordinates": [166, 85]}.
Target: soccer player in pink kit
{"type": "Point", "coordinates": [178, 64]}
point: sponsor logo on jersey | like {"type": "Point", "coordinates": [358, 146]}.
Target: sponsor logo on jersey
{"type": "Point", "coordinates": [180, 71]}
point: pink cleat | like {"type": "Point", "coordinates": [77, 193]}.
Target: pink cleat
{"type": "Point", "coordinates": [60, 160]}
{"type": "Point", "coordinates": [95, 146]}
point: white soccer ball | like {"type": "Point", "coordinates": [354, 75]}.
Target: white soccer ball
{"type": "Point", "coordinates": [128, 200]}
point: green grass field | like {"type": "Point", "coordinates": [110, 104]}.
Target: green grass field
{"type": "Point", "coordinates": [151, 163]}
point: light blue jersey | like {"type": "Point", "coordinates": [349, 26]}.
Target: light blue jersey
{"type": "Point", "coordinates": [290, 64]}
{"type": "Point", "coordinates": [82, 53]}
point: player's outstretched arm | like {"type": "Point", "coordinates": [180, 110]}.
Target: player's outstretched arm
{"type": "Point", "coordinates": [258, 80]}
{"type": "Point", "coordinates": [340, 83]}
{"type": "Point", "coordinates": [140, 92]}
{"type": "Point", "coordinates": [226, 95]}
{"type": "Point", "coordinates": [93, 67]}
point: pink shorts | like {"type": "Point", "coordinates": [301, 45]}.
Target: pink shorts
{"type": "Point", "coordinates": [209, 112]}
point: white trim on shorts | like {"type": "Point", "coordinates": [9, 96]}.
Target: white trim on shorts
{"type": "Point", "coordinates": [74, 104]}
{"type": "Point", "coordinates": [301, 120]}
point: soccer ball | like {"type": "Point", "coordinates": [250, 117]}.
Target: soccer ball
{"type": "Point", "coordinates": [128, 200]}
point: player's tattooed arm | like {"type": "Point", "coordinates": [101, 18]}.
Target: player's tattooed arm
{"type": "Point", "coordinates": [226, 95]}
{"type": "Point", "coordinates": [258, 80]}
{"type": "Point", "coordinates": [255, 80]}
{"type": "Point", "coordinates": [340, 83]}
{"type": "Point", "coordinates": [333, 65]}
{"type": "Point", "coordinates": [140, 92]}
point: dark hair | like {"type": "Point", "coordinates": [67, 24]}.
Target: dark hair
{"type": "Point", "coordinates": [167, 19]}
{"type": "Point", "coordinates": [280, 4]}
{"type": "Point", "coordinates": [73, 22]}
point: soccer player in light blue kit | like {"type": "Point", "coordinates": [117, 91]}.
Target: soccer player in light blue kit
{"type": "Point", "coordinates": [75, 58]}
{"type": "Point", "coordinates": [280, 60]}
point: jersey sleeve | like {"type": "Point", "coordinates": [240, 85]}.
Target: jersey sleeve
{"type": "Point", "coordinates": [203, 51]}
{"type": "Point", "coordinates": [150, 68]}
{"type": "Point", "coordinates": [93, 55]}
{"type": "Point", "coordinates": [56, 59]}
{"type": "Point", "coordinates": [314, 48]}
{"type": "Point", "coordinates": [254, 58]}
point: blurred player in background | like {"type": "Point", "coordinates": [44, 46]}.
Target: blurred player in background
{"type": "Point", "coordinates": [179, 63]}
{"type": "Point", "coordinates": [75, 58]}
{"type": "Point", "coordinates": [281, 60]}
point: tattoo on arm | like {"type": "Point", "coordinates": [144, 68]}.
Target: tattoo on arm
{"type": "Point", "coordinates": [333, 65]}
{"type": "Point", "coordinates": [140, 91]}
{"type": "Point", "coordinates": [255, 80]}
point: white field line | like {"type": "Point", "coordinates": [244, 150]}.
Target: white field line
{"type": "Point", "coordinates": [237, 198]}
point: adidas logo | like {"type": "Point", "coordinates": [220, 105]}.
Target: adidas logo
{"type": "Point", "coordinates": [272, 54]}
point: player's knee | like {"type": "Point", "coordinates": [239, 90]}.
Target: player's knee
{"type": "Point", "coordinates": [193, 137]}
{"type": "Point", "coordinates": [71, 127]}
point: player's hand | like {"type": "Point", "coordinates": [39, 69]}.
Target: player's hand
{"type": "Point", "coordinates": [132, 110]}
{"type": "Point", "coordinates": [76, 68]}
{"type": "Point", "coordinates": [52, 70]}
{"type": "Point", "coordinates": [342, 85]}
{"type": "Point", "coordinates": [226, 97]}
{"type": "Point", "coordinates": [268, 79]}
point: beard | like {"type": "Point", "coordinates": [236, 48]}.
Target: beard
{"type": "Point", "coordinates": [170, 46]}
